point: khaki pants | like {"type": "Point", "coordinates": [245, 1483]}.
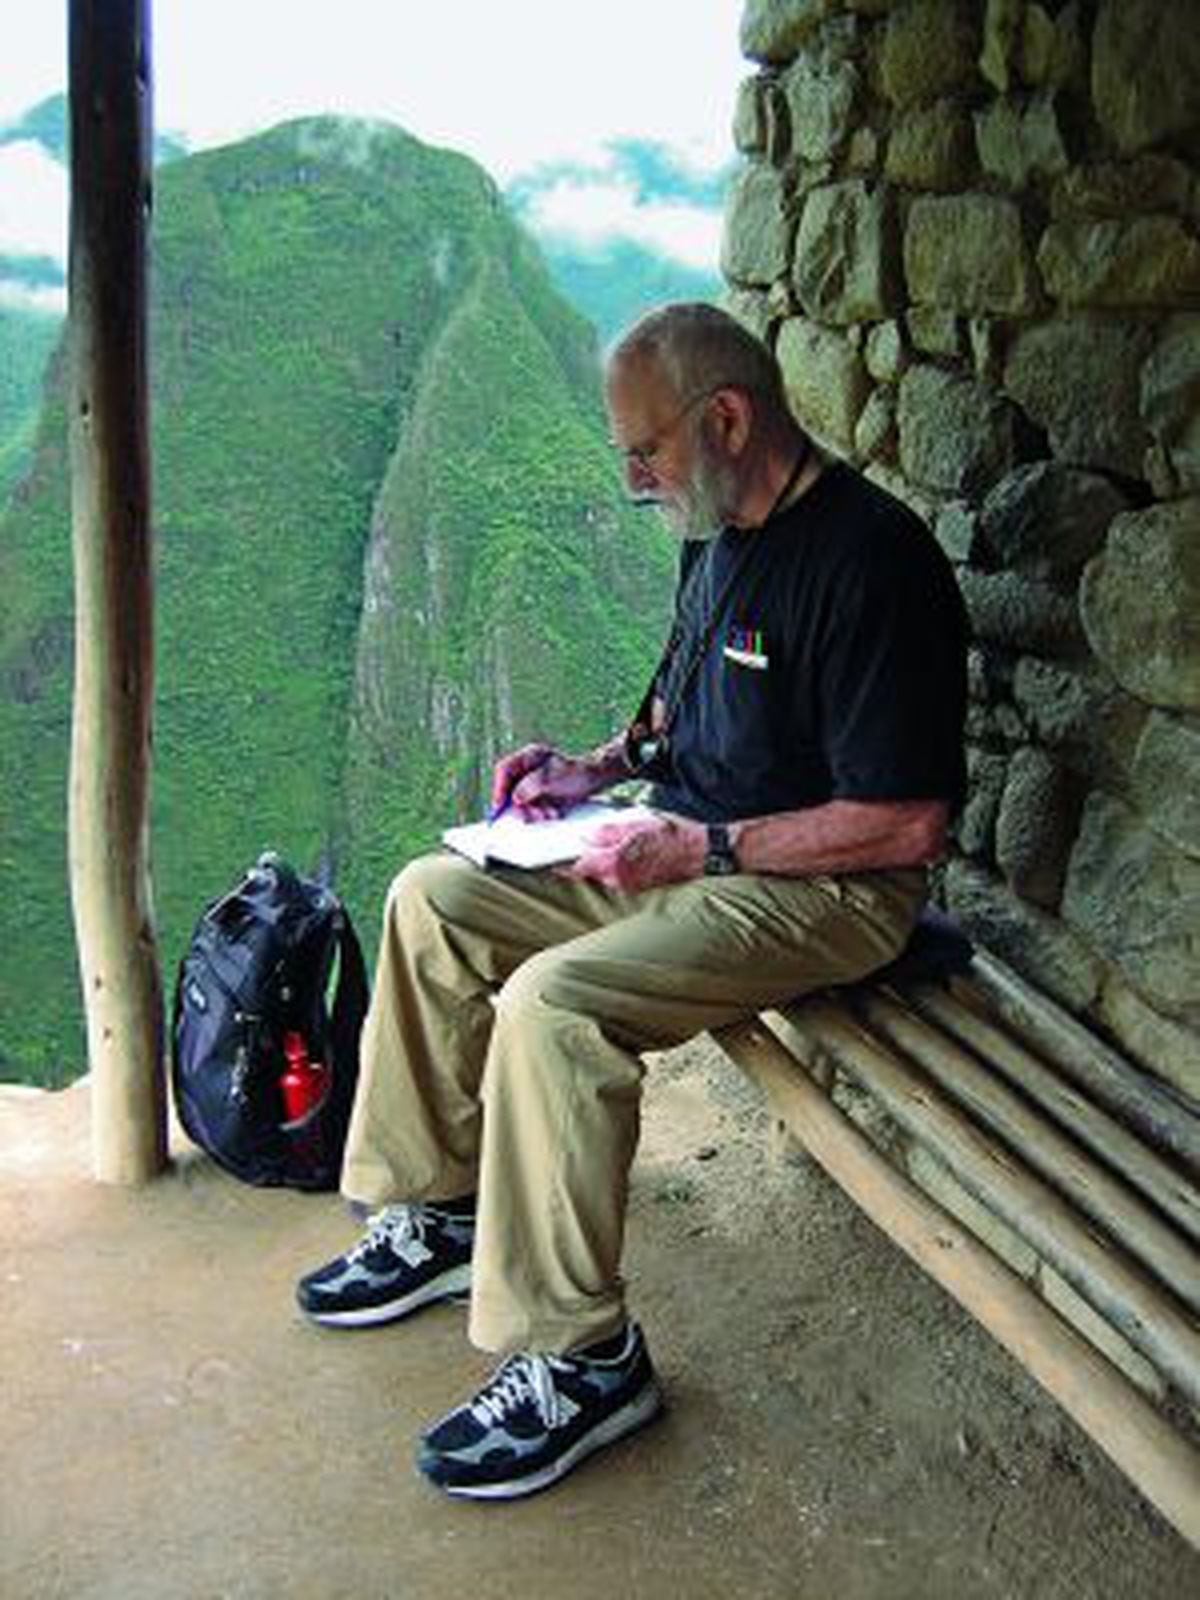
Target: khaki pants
{"type": "Point", "coordinates": [501, 1052]}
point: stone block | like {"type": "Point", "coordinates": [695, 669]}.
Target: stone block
{"type": "Point", "coordinates": [900, 487]}
{"type": "Point", "coordinates": [929, 49]}
{"type": "Point", "coordinates": [1002, 22]}
{"type": "Point", "coordinates": [1140, 604]}
{"type": "Point", "coordinates": [975, 828]}
{"type": "Point", "coordinates": [1166, 779]}
{"type": "Point", "coordinates": [931, 147]}
{"type": "Point", "coordinates": [956, 530]}
{"type": "Point", "coordinates": [996, 726]}
{"type": "Point", "coordinates": [1170, 399]}
{"type": "Point", "coordinates": [934, 332]}
{"type": "Point", "coordinates": [1169, 1050]}
{"type": "Point", "coordinates": [1143, 261]}
{"type": "Point", "coordinates": [1138, 901]}
{"type": "Point", "coordinates": [1081, 712]}
{"type": "Point", "coordinates": [967, 253]}
{"type": "Point", "coordinates": [1052, 52]}
{"type": "Point", "coordinates": [826, 381]}
{"type": "Point", "coordinates": [756, 245]}
{"type": "Point", "coordinates": [875, 431]}
{"type": "Point", "coordinates": [884, 352]}
{"type": "Point", "coordinates": [773, 30]}
{"type": "Point", "coordinates": [750, 117]}
{"type": "Point", "coordinates": [1021, 614]}
{"type": "Point", "coordinates": [752, 308]}
{"type": "Point", "coordinates": [940, 1184]}
{"type": "Point", "coordinates": [1145, 71]}
{"type": "Point", "coordinates": [1040, 947]}
{"type": "Point", "coordinates": [846, 267]}
{"type": "Point", "coordinates": [1020, 142]}
{"type": "Point", "coordinates": [1070, 1305]}
{"type": "Point", "coordinates": [956, 434]}
{"type": "Point", "coordinates": [862, 153]}
{"type": "Point", "coordinates": [1035, 826]}
{"type": "Point", "coordinates": [1048, 519]}
{"type": "Point", "coordinates": [1079, 378]}
{"type": "Point", "coordinates": [986, 339]}
{"type": "Point", "coordinates": [1118, 189]}
{"type": "Point", "coordinates": [821, 89]}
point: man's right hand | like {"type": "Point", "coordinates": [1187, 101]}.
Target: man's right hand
{"type": "Point", "coordinates": [538, 782]}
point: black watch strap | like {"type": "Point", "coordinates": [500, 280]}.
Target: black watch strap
{"type": "Point", "coordinates": [719, 857]}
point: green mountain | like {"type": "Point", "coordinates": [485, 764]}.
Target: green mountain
{"type": "Point", "coordinates": [391, 541]}
{"type": "Point", "coordinates": [617, 281]}
{"type": "Point", "coordinates": [27, 339]}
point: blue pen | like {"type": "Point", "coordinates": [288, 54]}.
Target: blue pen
{"type": "Point", "coordinates": [498, 811]}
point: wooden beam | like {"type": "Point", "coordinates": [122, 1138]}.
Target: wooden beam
{"type": "Point", "coordinates": [1122, 1292]}
{"type": "Point", "coordinates": [1168, 1187]}
{"type": "Point", "coordinates": [1156, 1110]}
{"type": "Point", "coordinates": [110, 524]}
{"type": "Point", "coordinates": [1157, 1459]}
{"type": "Point", "coordinates": [1092, 1187]}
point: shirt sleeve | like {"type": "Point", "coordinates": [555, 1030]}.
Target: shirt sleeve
{"type": "Point", "coordinates": [893, 679]}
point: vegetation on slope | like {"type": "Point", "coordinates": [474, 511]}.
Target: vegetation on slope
{"type": "Point", "coordinates": [360, 366]}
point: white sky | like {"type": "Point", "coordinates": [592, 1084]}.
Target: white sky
{"type": "Point", "coordinates": [510, 82]}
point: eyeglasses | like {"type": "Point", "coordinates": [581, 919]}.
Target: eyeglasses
{"type": "Point", "coordinates": [643, 454]}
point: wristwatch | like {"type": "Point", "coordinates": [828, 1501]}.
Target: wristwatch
{"type": "Point", "coordinates": [719, 857]}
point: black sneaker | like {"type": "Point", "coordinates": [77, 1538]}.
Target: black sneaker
{"type": "Point", "coordinates": [539, 1416]}
{"type": "Point", "coordinates": [410, 1256]}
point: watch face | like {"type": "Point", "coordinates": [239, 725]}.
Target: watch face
{"type": "Point", "coordinates": [719, 865]}
{"type": "Point", "coordinates": [719, 859]}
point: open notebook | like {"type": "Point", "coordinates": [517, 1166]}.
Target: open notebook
{"type": "Point", "coordinates": [510, 842]}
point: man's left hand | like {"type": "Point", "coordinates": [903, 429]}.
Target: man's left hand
{"type": "Point", "coordinates": [642, 853]}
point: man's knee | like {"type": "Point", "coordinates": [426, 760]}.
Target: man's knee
{"type": "Point", "coordinates": [542, 982]}
{"type": "Point", "coordinates": [439, 884]}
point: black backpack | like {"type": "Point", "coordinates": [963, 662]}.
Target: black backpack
{"type": "Point", "coordinates": [268, 1008]}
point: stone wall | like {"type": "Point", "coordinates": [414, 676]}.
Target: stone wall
{"type": "Point", "coordinates": [971, 230]}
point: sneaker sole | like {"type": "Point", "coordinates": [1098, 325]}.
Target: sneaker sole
{"type": "Point", "coordinates": [454, 1285]}
{"type": "Point", "coordinates": [646, 1405]}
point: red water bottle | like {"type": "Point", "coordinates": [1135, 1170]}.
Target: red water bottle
{"type": "Point", "coordinates": [303, 1083]}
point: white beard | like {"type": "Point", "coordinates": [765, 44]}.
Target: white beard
{"type": "Point", "coordinates": [701, 510]}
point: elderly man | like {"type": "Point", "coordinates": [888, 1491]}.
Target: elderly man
{"type": "Point", "coordinates": [803, 734]}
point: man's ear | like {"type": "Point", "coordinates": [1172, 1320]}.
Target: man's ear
{"type": "Point", "coordinates": [731, 414]}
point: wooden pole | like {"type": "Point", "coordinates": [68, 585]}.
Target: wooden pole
{"type": "Point", "coordinates": [1157, 1459]}
{"type": "Point", "coordinates": [110, 526]}
{"type": "Point", "coordinates": [1155, 1110]}
{"type": "Point", "coordinates": [1092, 1188]}
{"type": "Point", "coordinates": [1140, 1165]}
{"type": "Point", "coordinates": [1122, 1292]}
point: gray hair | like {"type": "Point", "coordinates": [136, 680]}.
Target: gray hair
{"type": "Point", "coordinates": [697, 346]}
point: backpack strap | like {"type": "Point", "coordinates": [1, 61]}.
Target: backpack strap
{"type": "Point", "coordinates": [345, 1026]}
{"type": "Point", "coordinates": [353, 991]}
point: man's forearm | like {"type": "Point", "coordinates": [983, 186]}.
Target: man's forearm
{"type": "Point", "coordinates": [843, 836]}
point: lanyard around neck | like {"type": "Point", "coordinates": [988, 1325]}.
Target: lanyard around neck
{"type": "Point", "coordinates": [645, 743]}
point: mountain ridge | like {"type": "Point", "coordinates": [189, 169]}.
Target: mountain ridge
{"type": "Point", "coordinates": [388, 532]}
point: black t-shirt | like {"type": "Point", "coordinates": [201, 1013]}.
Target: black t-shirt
{"type": "Point", "coordinates": [837, 666]}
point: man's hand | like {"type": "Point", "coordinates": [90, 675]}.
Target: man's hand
{"type": "Point", "coordinates": [640, 854]}
{"type": "Point", "coordinates": [539, 782]}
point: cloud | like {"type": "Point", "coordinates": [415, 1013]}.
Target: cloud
{"type": "Point", "coordinates": [44, 300]}
{"type": "Point", "coordinates": [33, 202]}
{"type": "Point", "coordinates": [638, 190]}
{"type": "Point", "coordinates": [594, 212]}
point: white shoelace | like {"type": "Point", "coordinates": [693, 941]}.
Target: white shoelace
{"type": "Point", "coordinates": [397, 1226]}
{"type": "Point", "coordinates": [522, 1377]}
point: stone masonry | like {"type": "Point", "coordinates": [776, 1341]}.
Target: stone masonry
{"type": "Point", "coordinates": [971, 231]}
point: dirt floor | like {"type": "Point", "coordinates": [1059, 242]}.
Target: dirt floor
{"type": "Point", "coordinates": [838, 1429]}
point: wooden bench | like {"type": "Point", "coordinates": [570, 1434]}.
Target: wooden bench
{"type": "Point", "coordinates": [1036, 1174]}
